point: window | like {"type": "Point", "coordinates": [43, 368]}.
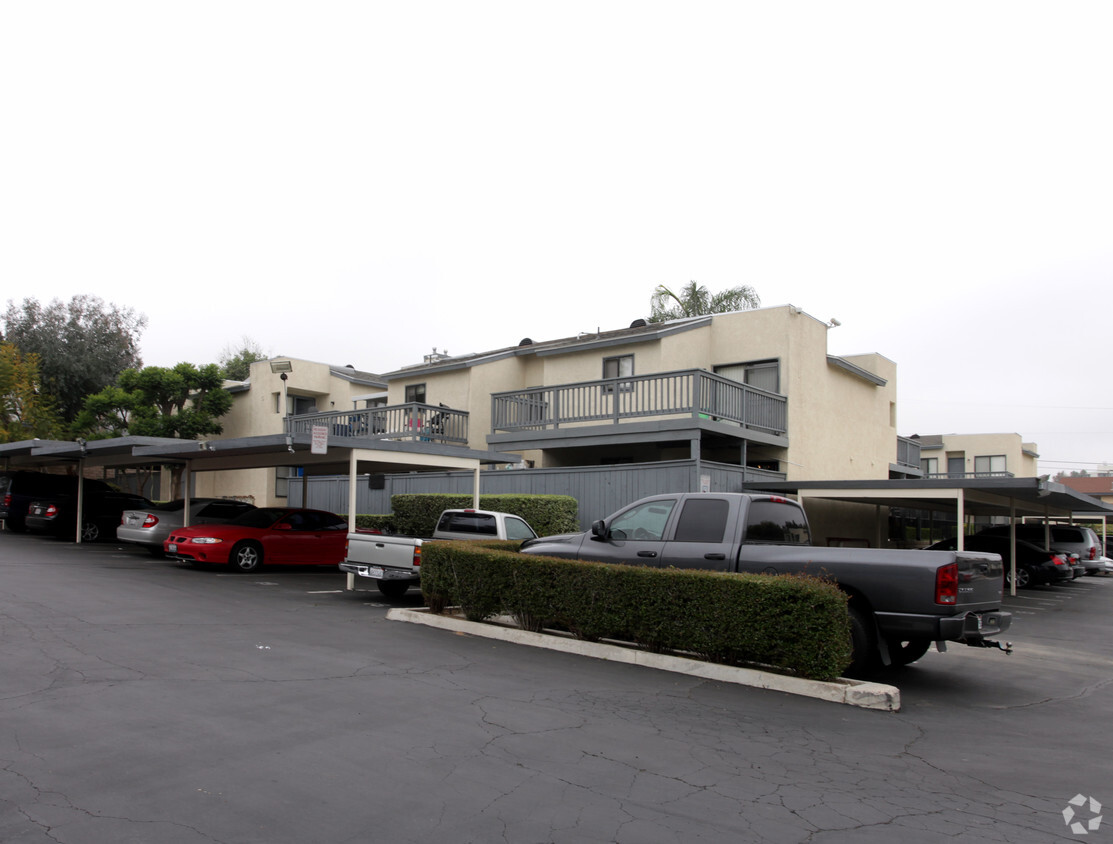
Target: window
{"type": "Point", "coordinates": [646, 521]}
{"type": "Point", "coordinates": [930, 466]}
{"type": "Point", "coordinates": [282, 477]}
{"type": "Point", "coordinates": [990, 465]}
{"type": "Point", "coordinates": [415, 393]}
{"type": "Point", "coordinates": [703, 520]}
{"type": "Point", "coordinates": [763, 374]}
{"type": "Point", "coordinates": [618, 367]}
{"type": "Point", "coordinates": [779, 522]}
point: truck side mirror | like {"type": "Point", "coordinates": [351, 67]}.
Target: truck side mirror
{"type": "Point", "coordinates": [599, 529]}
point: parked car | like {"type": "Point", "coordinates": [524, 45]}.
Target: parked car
{"type": "Point", "coordinates": [271, 535]}
{"type": "Point", "coordinates": [18, 489]}
{"type": "Point", "coordinates": [1035, 566]}
{"type": "Point", "coordinates": [149, 527]}
{"type": "Point", "coordinates": [1070, 539]}
{"type": "Point", "coordinates": [100, 513]}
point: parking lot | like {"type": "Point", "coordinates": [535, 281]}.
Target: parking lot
{"type": "Point", "coordinates": [145, 701]}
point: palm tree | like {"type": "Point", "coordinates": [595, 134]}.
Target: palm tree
{"type": "Point", "coordinates": [696, 300]}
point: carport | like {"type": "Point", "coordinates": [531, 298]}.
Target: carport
{"type": "Point", "coordinates": [1015, 498]}
{"type": "Point", "coordinates": [320, 454]}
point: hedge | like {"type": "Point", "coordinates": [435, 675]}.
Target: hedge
{"type": "Point", "coordinates": [416, 514]}
{"type": "Point", "coordinates": [797, 624]}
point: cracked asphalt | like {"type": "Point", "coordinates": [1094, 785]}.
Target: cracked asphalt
{"type": "Point", "coordinates": [144, 701]}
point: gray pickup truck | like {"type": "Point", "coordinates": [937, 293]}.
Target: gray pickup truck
{"type": "Point", "coordinates": [901, 601]}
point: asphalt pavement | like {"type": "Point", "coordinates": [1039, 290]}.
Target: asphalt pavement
{"type": "Point", "coordinates": [146, 701]}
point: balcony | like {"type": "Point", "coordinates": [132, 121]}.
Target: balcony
{"type": "Point", "coordinates": [908, 453]}
{"type": "Point", "coordinates": [696, 394]}
{"type": "Point", "coordinates": [414, 422]}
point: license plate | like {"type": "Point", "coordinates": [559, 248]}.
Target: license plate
{"type": "Point", "coordinates": [376, 572]}
{"type": "Point", "coordinates": [172, 547]}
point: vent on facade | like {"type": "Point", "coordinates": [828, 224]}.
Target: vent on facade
{"type": "Point", "coordinates": [639, 323]}
{"type": "Point", "coordinates": [526, 341]}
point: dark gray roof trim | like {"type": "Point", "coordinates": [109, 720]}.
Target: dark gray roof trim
{"type": "Point", "coordinates": [856, 371]}
{"type": "Point", "coordinates": [583, 342]}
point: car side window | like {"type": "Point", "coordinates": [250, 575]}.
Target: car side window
{"type": "Point", "coordinates": [703, 520]}
{"type": "Point", "coordinates": [518, 529]}
{"type": "Point", "coordinates": [645, 522]}
{"type": "Point", "coordinates": [331, 521]}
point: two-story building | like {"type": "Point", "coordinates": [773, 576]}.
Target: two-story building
{"type": "Point", "coordinates": [275, 391]}
{"type": "Point", "coordinates": [751, 388]}
{"type": "Point", "coordinates": [977, 456]}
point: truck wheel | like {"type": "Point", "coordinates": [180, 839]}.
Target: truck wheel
{"type": "Point", "coordinates": [907, 652]}
{"type": "Point", "coordinates": [246, 557]}
{"type": "Point", "coordinates": [392, 588]}
{"type": "Point", "coordinates": [865, 658]}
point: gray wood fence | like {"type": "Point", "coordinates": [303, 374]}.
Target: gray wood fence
{"type": "Point", "coordinates": [600, 490]}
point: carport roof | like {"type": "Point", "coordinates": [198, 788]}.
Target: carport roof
{"type": "Point", "coordinates": [973, 496]}
{"type": "Point", "coordinates": [247, 453]}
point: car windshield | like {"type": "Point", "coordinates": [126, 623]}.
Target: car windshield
{"type": "Point", "coordinates": [264, 517]}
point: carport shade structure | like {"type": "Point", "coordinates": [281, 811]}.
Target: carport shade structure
{"type": "Point", "coordinates": [345, 455]}
{"type": "Point", "coordinates": [1015, 498]}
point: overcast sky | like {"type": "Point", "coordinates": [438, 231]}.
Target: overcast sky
{"type": "Point", "coordinates": [358, 183]}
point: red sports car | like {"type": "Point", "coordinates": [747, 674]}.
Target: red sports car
{"type": "Point", "coordinates": [271, 535]}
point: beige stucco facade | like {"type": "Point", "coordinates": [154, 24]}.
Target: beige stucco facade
{"type": "Point", "coordinates": [974, 455]}
{"type": "Point", "coordinates": [259, 407]}
{"type": "Point", "coordinates": [841, 413]}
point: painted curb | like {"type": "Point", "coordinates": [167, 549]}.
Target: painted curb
{"type": "Point", "coordinates": [850, 692]}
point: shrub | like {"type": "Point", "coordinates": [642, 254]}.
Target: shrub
{"type": "Point", "coordinates": [799, 624]}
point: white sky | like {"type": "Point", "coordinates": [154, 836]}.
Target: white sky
{"type": "Point", "coordinates": [358, 183]}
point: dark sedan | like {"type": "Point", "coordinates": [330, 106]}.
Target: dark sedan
{"type": "Point", "coordinates": [100, 513]}
{"type": "Point", "coordinates": [1034, 565]}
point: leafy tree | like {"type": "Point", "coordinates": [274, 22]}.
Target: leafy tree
{"type": "Point", "coordinates": [25, 413]}
{"type": "Point", "coordinates": [695, 300]}
{"type": "Point", "coordinates": [81, 346]}
{"type": "Point", "coordinates": [236, 363]}
{"type": "Point", "coordinates": [185, 401]}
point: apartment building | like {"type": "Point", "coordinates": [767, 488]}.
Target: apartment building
{"type": "Point", "coordinates": [977, 456]}
{"type": "Point", "coordinates": [275, 391]}
{"type": "Point", "coordinates": [752, 388]}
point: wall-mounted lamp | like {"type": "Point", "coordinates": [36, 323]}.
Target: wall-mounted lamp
{"type": "Point", "coordinates": [833, 323]}
{"type": "Point", "coordinates": [290, 443]}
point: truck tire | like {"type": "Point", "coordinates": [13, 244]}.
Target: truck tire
{"type": "Point", "coordinates": [905, 652]}
{"type": "Point", "coordinates": [246, 557]}
{"type": "Point", "coordinates": [865, 657]}
{"type": "Point", "coordinates": [392, 588]}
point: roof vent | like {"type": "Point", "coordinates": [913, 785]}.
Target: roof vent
{"type": "Point", "coordinates": [526, 341]}
{"type": "Point", "coordinates": [639, 323]}
{"type": "Point", "coordinates": [437, 357]}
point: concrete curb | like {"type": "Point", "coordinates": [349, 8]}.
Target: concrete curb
{"type": "Point", "coordinates": [849, 692]}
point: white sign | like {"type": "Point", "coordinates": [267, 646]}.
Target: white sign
{"type": "Point", "coordinates": [320, 440]}
{"type": "Point", "coordinates": [705, 483]}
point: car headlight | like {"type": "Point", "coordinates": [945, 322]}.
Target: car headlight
{"type": "Point", "coordinates": [205, 540]}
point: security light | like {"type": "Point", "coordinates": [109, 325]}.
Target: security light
{"type": "Point", "coordinates": [281, 366]}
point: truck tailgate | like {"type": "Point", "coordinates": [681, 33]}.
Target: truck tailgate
{"type": "Point", "coordinates": [980, 579]}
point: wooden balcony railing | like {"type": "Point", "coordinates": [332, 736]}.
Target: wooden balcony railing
{"type": "Point", "coordinates": [413, 421]}
{"type": "Point", "coordinates": [695, 393]}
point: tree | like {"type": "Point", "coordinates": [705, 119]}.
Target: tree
{"type": "Point", "coordinates": [25, 413]}
{"type": "Point", "coordinates": [186, 402]}
{"type": "Point", "coordinates": [236, 363]}
{"type": "Point", "coordinates": [82, 346]}
{"type": "Point", "coordinates": [695, 300]}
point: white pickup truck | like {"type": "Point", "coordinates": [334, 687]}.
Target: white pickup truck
{"type": "Point", "coordinates": [394, 562]}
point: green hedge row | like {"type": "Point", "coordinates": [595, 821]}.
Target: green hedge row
{"type": "Point", "coordinates": [416, 515]}
{"type": "Point", "coordinates": [798, 624]}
